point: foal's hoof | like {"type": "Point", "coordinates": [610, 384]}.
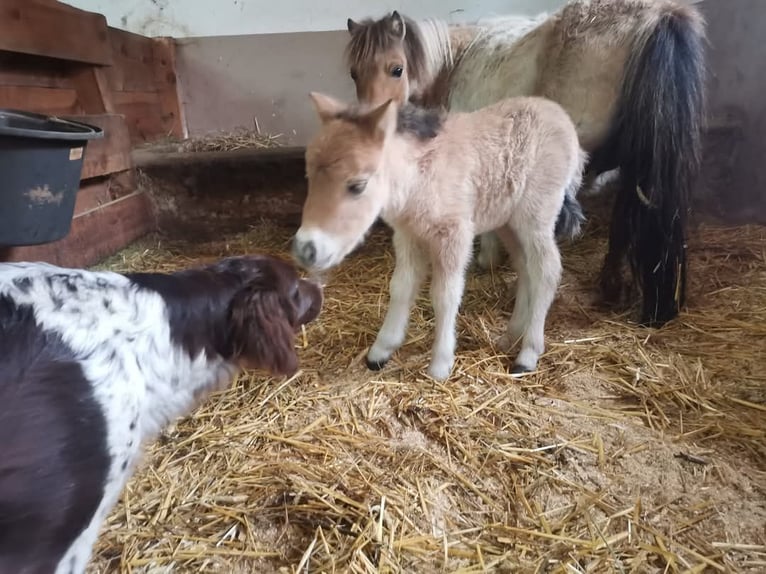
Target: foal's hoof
{"type": "Point", "coordinates": [519, 369]}
{"type": "Point", "coordinates": [375, 365]}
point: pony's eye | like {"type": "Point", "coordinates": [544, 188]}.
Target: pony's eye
{"type": "Point", "coordinates": [356, 187]}
{"type": "Point", "coordinates": [397, 71]}
{"type": "Point", "coordinates": [353, 75]}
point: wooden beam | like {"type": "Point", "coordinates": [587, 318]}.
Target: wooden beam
{"type": "Point", "coordinates": [109, 154]}
{"type": "Point", "coordinates": [98, 192]}
{"type": "Point", "coordinates": [167, 83]}
{"type": "Point", "coordinates": [54, 31]}
{"type": "Point", "coordinates": [95, 235]}
{"type": "Point", "coordinates": [40, 100]}
{"type": "Point", "coordinates": [145, 158]}
{"type": "Point", "coordinates": [93, 91]}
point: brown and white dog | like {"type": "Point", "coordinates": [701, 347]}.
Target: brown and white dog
{"type": "Point", "coordinates": [94, 364]}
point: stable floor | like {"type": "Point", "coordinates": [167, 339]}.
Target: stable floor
{"type": "Point", "coordinates": [631, 450]}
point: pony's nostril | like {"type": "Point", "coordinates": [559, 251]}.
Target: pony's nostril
{"type": "Point", "coordinates": [309, 252]}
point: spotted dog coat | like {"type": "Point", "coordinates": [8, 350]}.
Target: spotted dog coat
{"type": "Point", "coordinates": [95, 364]}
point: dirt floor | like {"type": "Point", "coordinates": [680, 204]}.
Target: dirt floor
{"type": "Point", "coordinates": [630, 450]}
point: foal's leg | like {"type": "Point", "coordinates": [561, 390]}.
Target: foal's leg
{"type": "Point", "coordinates": [520, 316]}
{"type": "Point", "coordinates": [490, 251]}
{"type": "Point", "coordinates": [450, 259]}
{"type": "Point", "coordinates": [543, 262]}
{"type": "Point", "coordinates": [408, 276]}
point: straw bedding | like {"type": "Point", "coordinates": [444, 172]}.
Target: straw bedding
{"type": "Point", "coordinates": [630, 450]}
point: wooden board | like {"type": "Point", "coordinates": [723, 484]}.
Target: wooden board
{"type": "Point", "coordinates": [55, 31]}
{"type": "Point", "coordinates": [98, 192]}
{"type": "Point", "coordinates": [34, 71]}
{"type": "Point", "coordinates": [167, 82]}
{"type": "Point", "coordinates": [93, 92]}
{"type": "Point", "coordinates": [109, 154]}
{"type": "Point", "coordinates": [95, 235]}
{"type": "Point", "coordinates": [133, 69]}
{"type": "Point", "coordinates": [41, 100]}
{"type": "Point", "coordinates": [143, 115]}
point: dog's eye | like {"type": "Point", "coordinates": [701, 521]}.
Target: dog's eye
{"type": "Point", "coordinates": [397, 71]}
{"type": "Point", "coordinates": [356, 187]}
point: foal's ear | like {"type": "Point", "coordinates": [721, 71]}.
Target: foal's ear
{"type": "Point", "coordinates": [352, 26]}
{"type": "Point", "coordinates": [397, 25]}
{"type": "Point", "coordinates": [381, 121]}
{"type": "Point", "coordinates": [327, 107]}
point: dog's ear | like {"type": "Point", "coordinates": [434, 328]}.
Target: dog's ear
{"type": "Point", "coordinates": [262, 332]}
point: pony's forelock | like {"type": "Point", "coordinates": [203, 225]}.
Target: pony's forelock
{"type": "Point", "coordinates": [371, 37]}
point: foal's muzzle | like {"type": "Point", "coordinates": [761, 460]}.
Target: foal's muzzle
{"type": "Point", "coordinates": [304, 252]}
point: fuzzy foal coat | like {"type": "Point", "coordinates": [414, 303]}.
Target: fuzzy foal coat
{"type": "Point", "coordinates": [93, 364]}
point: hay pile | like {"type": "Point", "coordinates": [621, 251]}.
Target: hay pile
{"type": "Point", "coordinates": [241, 138]}
{"type": "Point", "coordinates": [238, 139]}
{"type": "Point", "coordinates": [629, 451]}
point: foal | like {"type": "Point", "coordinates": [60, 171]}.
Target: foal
{"type": "Point", "coordinates": [511, 167]}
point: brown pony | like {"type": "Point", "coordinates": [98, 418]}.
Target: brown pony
{"type": "Point", "coordinates": [438, 181]}
{"type": "Point", "coordinates": [629, 72]}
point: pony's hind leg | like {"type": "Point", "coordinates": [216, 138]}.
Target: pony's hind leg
{"type": "Point", "coordinates": [450, 259]}
{"type": "Point", "coordinates": [490, 251]}
{"type": "Point", "coordinates": [611, 280]}
{"type": "Point", "coordinates": [409, 273]}
{"type": "Point", "coordinates": [520, 315]}
{"type": "Point", "coordinates": [543, 264]}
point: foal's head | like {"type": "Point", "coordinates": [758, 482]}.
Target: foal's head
{"type": "Point", "coordinates": [346, 187]}
{"type": "Point", "coordinates": [385, 58]}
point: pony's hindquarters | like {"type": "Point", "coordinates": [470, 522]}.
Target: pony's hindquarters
{"type": "Point", "coordinates": [656, 144]}
{"type": "Point", "coordinates": [547, 207]}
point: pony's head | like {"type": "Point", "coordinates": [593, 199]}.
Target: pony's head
{"type": "Point", "coordinates": [385, 57]}
{"type": "Point", "coordinates": [346, 188]}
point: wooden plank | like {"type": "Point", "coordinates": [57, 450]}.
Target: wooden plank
{"type": "Point", "coordinates": [167, 82]}
{"type": "Point", "coordinates": [109, 154]}
{"type": "Point", "coordinates": [40, 100]}
{"type": "Point", "coordinates": [95, 193]}
{"type": "Point", "coordinates": [93, 91]}
{"type": "Point", "coordinates": [134, 66]}
{"type": "Point", "coordinates": [92, 194]}
{"type": "Point", "coordinates": [144, 119]}
{"type": "Point", "coordinates": [56, 32]}
{"type": "Point", "coordinates": [95, 235]}
{"type": "Point", "coordinates": [24, 70]}
{"type": "Point", "coordinates": [146, 158]}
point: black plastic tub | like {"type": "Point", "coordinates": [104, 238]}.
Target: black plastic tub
{"type": "Point", "coordinates": [40, 167]}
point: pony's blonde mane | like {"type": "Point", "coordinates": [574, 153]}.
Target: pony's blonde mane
{"type": "Point", "coordinates": [437, 46]}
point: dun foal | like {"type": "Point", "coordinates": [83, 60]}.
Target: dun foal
{"type": "Point", "coordinates": [438, 181]}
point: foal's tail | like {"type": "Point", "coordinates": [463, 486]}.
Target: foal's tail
{"type": "Point", "coordinates": [659, 121]}
{"type": "Point", "coordinates": [571, 218]}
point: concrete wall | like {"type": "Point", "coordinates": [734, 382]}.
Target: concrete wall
{"type": "Point", "coordinates": [185, 18]}
{"type": "Point", "coordinates": [737, 105]}
{"type": "Point", "coordinates": [229, 82]}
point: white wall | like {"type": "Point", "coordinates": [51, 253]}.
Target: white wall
{"type": "Point", "coordinates": [187, 18]}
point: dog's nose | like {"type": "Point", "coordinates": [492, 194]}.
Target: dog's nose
{"type": "Point", "coordinates": [305, 252]}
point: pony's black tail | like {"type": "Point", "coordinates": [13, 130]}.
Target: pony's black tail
{"type": "Point", "coordinates": [660, 115]}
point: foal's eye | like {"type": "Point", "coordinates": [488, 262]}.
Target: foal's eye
{"type": "Point", "coordinates": [397, 71]}
{"type": "Point", "coordinates": [356, 187]}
